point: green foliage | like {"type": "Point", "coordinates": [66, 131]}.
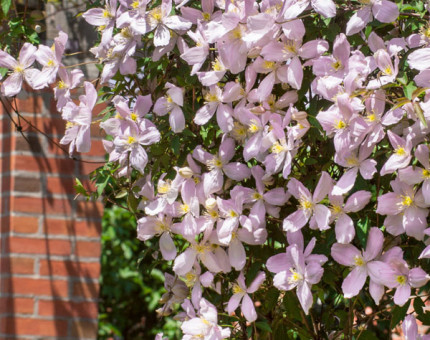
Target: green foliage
{"type": "Point", "coordinates": [128, 295]}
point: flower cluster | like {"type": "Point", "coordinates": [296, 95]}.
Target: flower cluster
{"type": "Point", "coordinates": [289, 136]}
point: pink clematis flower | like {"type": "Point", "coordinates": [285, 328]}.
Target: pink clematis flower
{"type": "Point", "coordinates": [206, 325]}
{"type": "Point", "coordinates": [344, 227]}
{"type": "Point", "coordinates": [172, 103]}
{"type": "Point", "coordinates": [240, 293]}
{"type": "Point", "coordinates": [79, 120]}
{"type": "Point", "coordinates": [20, 70]}
{"type": "Point", "coordinates": [415, 175]}
{"type": "Point", "coordinates": [348, 255]}
{"type": "Point", "coordinates": [296, 273]}
{"type": "Point", "coordinates": [159, 18]}
{"type": "Point", "coordinates": [150, 226]}
{"type": "Point", "coordinates": [401, 156]}
{"type": "Point", "coordinates": [396, 274]}
{"type": "Point", "coordinates": [309, 207]}
{"type": "Point", "coordinates": [68, 82]}
{"type": "Point", "coordinates": [405, 208]}
{"type": "Point", "coordinates": [383, 10]}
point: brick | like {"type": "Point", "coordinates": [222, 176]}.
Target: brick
{"type": "Point", "coordinates": [41, 287]}
{"type": "Point", "coordinates": [84, 330]}
{"type": "Point", "coordinates": [87, 168]}
{"type": "Point", "coordinates": [29, 103]}
{"type": "Point", "coordinates": [16, 305]}
{"type": "Point", "coordinates": [88, 249]}
{"type": "Point", "coordinates": [88, 290]}
{"type": "Point", "coordinates": [89, 208]}
{"type": "Point", "coordinates": [48, 205]}
{"type": "Point", "coordinates": [52, 126]}
{"type": "Point", "coordinates": [30, 143]}
{"type": "Point", "coordinates": [68, 309]}
{"type": "Point", "coordinates": [72, 228]}
{"type": "Point", "coordinates": [17, 265]}
{"type": "Point", "coordinates": [60, 185]}
{"type": "Point", "coordinates": [70, 268]}
{"type": "Point", "coordinates": [27, 245]}
{"type": "Point", "coordinates": [43, 164]}
{"type": "Point", "coordinates": [26, 184]}
{"type": "Point", "coordinates": [35, 327]}
{"type": "Point", "coordinates": [25, 224]}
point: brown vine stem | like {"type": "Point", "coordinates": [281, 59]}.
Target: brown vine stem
{"type": "Point", "coordinates": [19, 129]}
{"type": "Point", "coordinates": [306, 323]}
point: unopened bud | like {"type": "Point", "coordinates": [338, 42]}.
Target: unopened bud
{"type": "Point", "coordinates": [258, 110]}
{"type": "Point", "coordinates": [38, 28]}
{"type": "Point", "coordinates": [210, 203]}
{"type": "Point", "coordinates": [300, 115]}
{"type": "Point", "coordinates": [186, 172]}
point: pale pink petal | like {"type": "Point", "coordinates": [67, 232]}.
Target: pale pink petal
{"type": "Point", "coordinates": [353, 283]}
{"type": "Point", "coordinates": [345, 183]}
{"type": "Point", "coordinates": [322, 216]}
{"type": "Point", "coordinates": [256, 283]}
{"type": "Point", "coordinates": [385, 11]}
{"type": "Point", "coordinates": [236, 254]}
{"type": "Point", "coordinates": [376, 291]}
{"type": "Point", "coordinates": [402, 294]}
{"type": "Point", "coordinates": [326, 8]}
{"type": "Point", "coordinates": [305, 297]}
{"type": "Point", "coordinates": [233, 303]}
{"type": "Point", "coordinates": [296, 220]}
{"type": "Point", "coordinates": [248, 309]}
{"type": "Point", "coordinates": [368, 168]}
{"type": "Point", "coordinates": [357, 201]}
{"type": "Point", "coordinates": [295, 73]}
{"type": "Point", "coordinates": [161, 36]}
{"type": "Point", "coordinates": [420, 59]}
{"type": "Point", "coordinates": [374, 244]}
{"type": "Point", "coordinates": [323, 187]}
{"type": "Point", "coordinates": [184, 262]}
{"type": "Point", "coordinates": [237, 171]}
{"type": "Point", "coordinates": [345, 254]}
{"type": "Point", "coordinates": [279, 262]}
{"type": "Point", "coordinates": [167, 247]}
{"type": "Point", "coordinates": [344, 229]}
{"type": "Point", "coordinates": [177, 120]}
{"type": "Point", "coordinates": [358, 21]}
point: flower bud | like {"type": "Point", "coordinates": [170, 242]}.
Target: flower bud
{"type": "Point", "coordinates": [186, 172]}
{"type": "Point", "coordinates": [299, 115]}
{"type": "Point", "coordinates": [210, 203]}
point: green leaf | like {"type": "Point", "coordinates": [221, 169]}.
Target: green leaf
{"type": "Point", "coordinates": [5, 6]}
{"type": "Point", "coordinates": [398, 314]}
{"type": "Point", "coordinates": [418, 305]}
{"type": "Point", "coordinates": [409, 89]}
{"type": "Point", "coordinates": [252, 272]}
{"type": "Point", "coordinates": [264, 326]}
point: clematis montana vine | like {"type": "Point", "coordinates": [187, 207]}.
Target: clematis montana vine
{"type": "Point", "coordinates": [237, 134]}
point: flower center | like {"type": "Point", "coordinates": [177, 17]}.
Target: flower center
{"type": "Point", "coordinates": [400, 151]}
{"type": "Point", "coordinates": [232, 213]}
{"type": "Point", "coordinates": [388, 71]}
{"type": "Point", "coordinates": [306, 204]}
{"type": "Point", "coordinates": [340, 125]}
{"type": "Point", "coordinates": [18, 68]}
{"type": "Point", "coordinates": [295, 276]}
{"type": "Point", "coordinates": [337, 65]}
{"type": "Point", "coordinates": [401, 280]}
{"type": "Point", "coordinates": [61, 85]}
{"type": "Point", "coordinates": [277, 148]}
{"type": "Point", "coordinates": [184, 208]}
{"type": "Point", "coordinates": [406, 200]}
{"type": "Point", "coordinates": [268, 65]}
{"type": "Point", "coordinates": [426, 173]}
{"type": "Point", "coordinates": [358, 261]}
{"type": "Point", "coordinates": [206, 16]}
{"type": "Point", "coordinates": [190, 279]}
{"type": "Point", "coordinates": [156, 14]}
{"type": "Point", "coordinates": [257, 196]}
{"type": "Point", "coordinates": [164, 187]}
{"type": "Point", "coordinates": [135, 4]}
{"type": "Point", "coordinates": [238, 289]}
{"type": "Point", "coordinates": [131, 140]}
{"type": "Point", "coordinates": [336, 209]}
{"type": "Point", "coordinates": [133, 116]}
{"type": "Point", "coordinates": [214, 163]}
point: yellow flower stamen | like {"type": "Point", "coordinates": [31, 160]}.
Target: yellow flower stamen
{"type": "Point", "coordinates": [238, 289]}
{"type": "Point", "coordinates": [131, 140]}
{"type": "Point", "coordinates": [406, 200]}
{"type": "Point", "coordinates": [358, 261]}
{"type": "Point", "coordinates": [401, 279]}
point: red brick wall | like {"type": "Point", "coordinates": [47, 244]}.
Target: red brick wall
{"type": "Point", "coordinates": [49, 242]}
